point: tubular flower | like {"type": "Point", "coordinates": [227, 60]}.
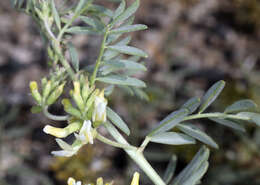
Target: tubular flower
{"type": "Point", "coordinates": [86, 133]}
{"type": "Point", "coordinates": [68, 150]}
{"type": "Point", "coordinates": [57, 132]}
{"type": "Point", "coordinates": [100, 104]}
{"type": "Point", "coordinates": [135, 180]}
{"type": "Point", "coordinates": [72, 181]}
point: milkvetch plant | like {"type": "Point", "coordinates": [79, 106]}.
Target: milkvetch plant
{"type": "Point", "coordinates": [88, 109]}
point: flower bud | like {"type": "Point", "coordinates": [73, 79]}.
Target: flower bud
{"type": "Point", "coordinates": [100, 104]}
{"type": "Point", "coordinates": [77, 96]}
{"type": "Point", "coordinates": [100, 181]}
{"type": "Point", "coordinates": [55, 94]}
{"type": "Point", "coordinates": [135, 180]}
{"type": "Point", "coordinates": [35, 93]}
{"type": "Point", "coordinates": [44, 82]}
{"type": "Point", "coordinates": [46, 90]}
{"type": "Point", "coordinates": [91, 100]}
{"type": "Point", "coordinates": [70, 109]}
{"type": "Point", "coordinates": [85, 90]}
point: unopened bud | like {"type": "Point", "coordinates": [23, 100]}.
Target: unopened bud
{"type": "Point", "coordinates": [35, 93]}
{"type": "Point", "coordinates": [100, 181]}
{"type": "Point", "coordinates": [46, 90]}
{"type": "Point", "coordinates": [70, 109]}
{"type": "Point", "coordinates": [55, 94]}
{"type": "Point", "coordinates": [77, 96]}
{"type": "Point", "coordinates": [135, 180]}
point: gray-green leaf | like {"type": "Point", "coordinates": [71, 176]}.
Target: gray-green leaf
{"type": "Point", "coordinates": [228, 123]}
{"type": "Point", "coordinates": [140, 94]}
{"type": "Point", "coordinates": [82, 30]}
{"type": "Point", "coordinates": [170, 121]}
{"type": "Point", "coordinates": [110, 54]}
{"type": "Point", "coordinates": [102, 10]}
{"type": "Point", "coordinates": [120, 9]}
{"type": "Point", "coordinates": [241, 105]}
{"type": "Point", "coordinates": [94, 22]}
{"type": "Point", "coordinates": [55, 15]}
{"type": "Point", "coordinates": [117, 65]}
{"type": "Point", "coordinates": [192, 104]}
{"type": "Point", "coordinates": [194, 166]}
{"type": "Point", "coordinates": [129, 50]}
{"type": "Point", "coordinates": [127, 13]}
{"type": "Point", "coordinates": [170, 170]}
{"type": "Point", "coordinates": [211, 95]}
{"type": "Point", "coordinates": [74, 56]}
{"type": "Point", "coordinates": [128, 28]}
{"type": "Point", "coordinates": [193, 131]}
{"type": "Point", "coordinates": [172, 138]}
{"type": "Point", "coordinates": [117, 121]}
{"type": "Point", "coordinates": [122, 80]}
{"type": "Point", "coordinates": [254, 117]}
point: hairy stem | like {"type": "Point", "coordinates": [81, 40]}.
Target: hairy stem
{"type": "Point", "coordinates": [75, 16]}
{"type": "Point", "coordinates": [101, 52]}
{"type": "Point", "coordinates": [136, 155]}
{"type": "Point", "coordinates": [64, 62]}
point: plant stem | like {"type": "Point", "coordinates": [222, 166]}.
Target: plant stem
{"type": "Point", "coordinates": [53, 117]}
{"type": "Point", "coordinates": [144, 144]}
{"type": "Point", "coordinates": [75, 16]}
{"type": "Point", "coordinates": [215, 115]}
{"type": "Point", "coordinates": [101, 52]}
{"type": "Point", "coordinates": [112, 143]}
{"type": "Point", "coordinates": [136, 155]}
{"type": "Point", "coordinates": [64, 62]}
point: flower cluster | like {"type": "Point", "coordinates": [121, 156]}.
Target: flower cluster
{"type": "Point", "coordinates": [51, 90]}
{"type": "Point", "coordinates": [135, 181]}
{"type": "Point", "coordinates": [89, 113]}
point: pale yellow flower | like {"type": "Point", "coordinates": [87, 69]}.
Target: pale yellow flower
{"type": "Point", "coordinates": [135, 180]}
{"type": "Point", "coordinates": [72, 181]}
{"type": "Point", "coordinates": [100, 104]}
{"type": "Point", "coordinates": [86, 133]}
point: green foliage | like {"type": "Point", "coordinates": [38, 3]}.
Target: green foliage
{"type": "Point", "coordinates": [115, 66]}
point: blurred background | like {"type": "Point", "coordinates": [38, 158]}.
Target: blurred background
{"type": "Point", "coordinates": [191, 44]}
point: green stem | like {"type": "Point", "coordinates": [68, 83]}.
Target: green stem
{"type": "Point", "coordinates": [136, 155]}
{"type": "Point", "coordinates": [215, 115]}
{"type": "Point", "coordinates": [144, 144]}
{"type": "Point", "coordinates": [54, 117]}
{"type": "Point", "coordinates": [75, 16]}
{"type": "Point", "coordinates": [101, 52]}
{"type": "Point", "coordinates": [64, 62]}
{"type": "Point", "coordinates": [112, 143]}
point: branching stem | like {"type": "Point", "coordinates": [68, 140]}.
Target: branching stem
{"type": "Point", "coordinates": [113, 143]}
{"type": "Point", "coordinates": [54, 117]}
